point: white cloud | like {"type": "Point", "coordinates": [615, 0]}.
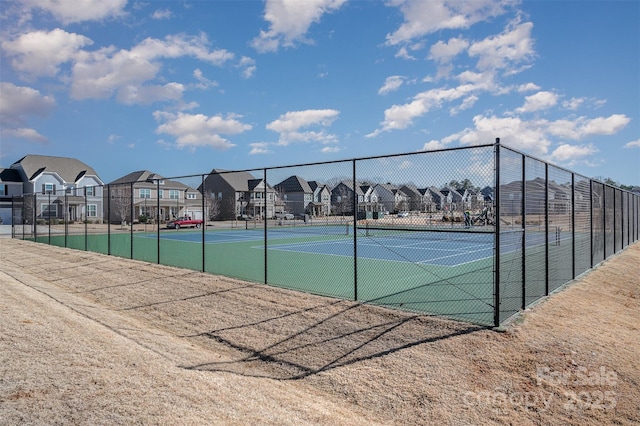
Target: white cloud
{"type": "Point", "coordinates": [536, 136]}
{"type": "Point", "coordinates": [573, 103]}
{"type": "Point", "coordinates": [27, 134]}
{"type": "Point", "coordinates": [433, 145]}
{"type": "Point", "coordinates": [529, 136]}
{"type": "Point", "coordinates": [505, 50]}
{"type": "Point", "coordinates": [148, 94]}
{"type": "Point", "coordinates": [444, 52]}
{"type": "Point", "coordinates": [402, 116]}
{"type": "Point", "coordinates": [403, 53]}
{"type": "Point", "coordinates": [17, 103]}
{"type": "Point", "coordinates": [40, 53]}
{"type": "Point", "coordinates": [582, 127]}
{"type": "Point", "coordinates": [330, 149]}
{"type": "Point", "coordinates": [162, 14]}
{"type": "Point", "coordinates": [203, 82]}
{"type": "Point", "coordinates": [425, 17]}
{"type": "Point", "coordinates": [467, 103]}
{"type": "Point", "coordinates": [248, 66]}
{"type": "Point", "coordinates": [289, 21]}
{"type": "Point", "coordinates": [633, 144]}
{"type": "Point", "coordinates": [528, 87]}
{"type": "Point", "coordinates": [571, 153]}
{"type": "Point", "coordinates": [291, 126]}
{"type": "Point", "coordinates": [259, 148]}
{"type": "Point", "coordinates": [70, 11]}
{"type": "Point", "coordinates": [198, 130]}
{"type": "Point", "coordinates": [538, 101]}
{"type": "Point", "coordinates": [106, 71]}
{"type": "Point", "coordinates": [391, 84]}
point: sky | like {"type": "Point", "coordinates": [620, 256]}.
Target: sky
{"type": "Point", "coordinates": [183, 87]}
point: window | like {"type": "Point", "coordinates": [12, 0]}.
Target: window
{"type": "Point", "coordinates": [48, 187]}
{"type": "Point", "coordinates": [89, 191]}
{"type": "Point", "coordinates": [92, 210]}
{"type": "Point", "coordinates": [3, 190]}
{"type": "Point", "coordinates": [49, 210]}
{"type": "Point", "coordinates": [174, 194]}
{"type": "Point", "coordinates": [160, 193]}
{"type": "Point", "coordinates": [219, 195]}
{"type": "Point", "coordinates": [191, 196]}
{"type": "Point", "coordinates": [145, 193]}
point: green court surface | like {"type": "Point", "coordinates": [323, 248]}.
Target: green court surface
{"type": "Point", "coordinates": [421, 275]}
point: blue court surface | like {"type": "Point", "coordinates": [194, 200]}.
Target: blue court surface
{"type": "Point", "coordinates": [450, 249]}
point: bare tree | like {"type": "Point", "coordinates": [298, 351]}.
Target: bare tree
{"type": "Point", "coordinates": [212, 207]}
{"type": "Point", "coordinates": [121, 202]}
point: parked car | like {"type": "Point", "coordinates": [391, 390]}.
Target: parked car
{"type": "Point", "coordinates": [184, 222]}
{"type": "Point", "coordinates": [284, 215]}
{"type": "Point", "coordinates": [403, 214]}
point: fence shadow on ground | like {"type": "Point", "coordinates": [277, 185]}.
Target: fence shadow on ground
{"type": "Point", "coordinates": [339, 334]}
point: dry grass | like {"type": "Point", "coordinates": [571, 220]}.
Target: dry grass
{"type": "Point", "coordinates": [92, 339]}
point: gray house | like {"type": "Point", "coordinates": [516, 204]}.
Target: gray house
{"type": "Point", "coordinates": [147, 191]}
{"type": "Point", "coordinates": [321, 204]}
{"type": "Point", "coordinates": [237, 194]}
{"type": "Point", "coordinates": [296, 194]}
{"type": "Point", "coordinates": [65, 188]}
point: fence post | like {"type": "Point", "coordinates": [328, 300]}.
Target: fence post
{"type": "Point", "coordinates": [131, 208]}
{"type": "Point", "coordinates": [204, 223]}
{"type": "Point", "coordinates": [355, 237]}
{"type": "Point", "coordinates": [573, 225]}
{"type": "Point", "coordinates": [109, 219]}
{"type": "Point", "coordinates": [66, 222]}
{"type": "Point", "coordinates": [546, 229]}
{"type": "Point", "coordinates": [157, 216]}
{"type": "Point", "coordinates": [496, 239]}
{"type": "Point", "coordinates": [265, 223]}
{"type": "Point", "coordinates": [524, 234]}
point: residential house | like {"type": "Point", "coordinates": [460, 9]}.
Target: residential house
{"type": "Point", "coordinates": [391, 197]}
{"type": "Point", "coordinates": [452, 199]}
{"type": "Point", "coordinates": [151, 196]}
{"type": "Point", "coordinates": [237, 194]}
{"type": "Point", "coordinates": [321, 199]}
{"type": "Point", "coordinates": [432, 199]}
{"type": "Point", "coordinates": [296, 194]}
{"type": "Point", "coordinates": [415, 198]}
{"type": "Point", "coordinates": [65, 188]}
{"type": "Point", "coordinates": [342, 197]}
{"type": "Point", "coordinates": [10, 187]}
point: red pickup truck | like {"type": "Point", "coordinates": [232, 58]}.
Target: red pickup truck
{"type": "Point", "coordinates": [184, 222]}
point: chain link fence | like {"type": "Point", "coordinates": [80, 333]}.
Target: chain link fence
{"type": "Point", "coordinates": [475, 234]}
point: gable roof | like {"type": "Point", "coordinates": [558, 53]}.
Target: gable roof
{"type": "Point", "coordinates": [10, 175]}
{"type": "Point", "coordinates": [295, 184]}
{"type": "Point", "coordinates": [139, 176]}
{"type": "Point", "coordinates": [69, 169]}
{"type": "Point", "coordinates": [239, 181]}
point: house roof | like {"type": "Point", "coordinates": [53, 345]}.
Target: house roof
{"type": "Point", "coordinates": [139, 176]}
{"type": "Point", "coordinates": [239, 181]}
{"type": "Point", "coordinates": [295, 184]}
{"type": "Point", "coordinates": [69, 169]}
{"type": "Point", "coordinates": [10, 175]}
{"type": "Point", "coordinates": [145, 178]}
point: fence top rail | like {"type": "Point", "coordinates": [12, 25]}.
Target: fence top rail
{"type": "Point", "coordinates": [318, 163]}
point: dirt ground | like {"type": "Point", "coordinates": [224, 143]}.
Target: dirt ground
{"type": "Point", "coordinates": [92, 339]}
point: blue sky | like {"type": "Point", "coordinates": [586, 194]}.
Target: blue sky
{"type": "Point", "coordinates": [182, 87]}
